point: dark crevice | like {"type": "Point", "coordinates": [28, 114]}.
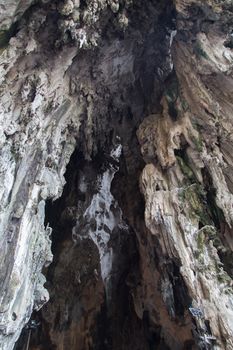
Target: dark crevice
{"type": "Point", "coordinates": [6, 35]}
{"type": "Point", "coordinates": [116, 321]}
{"type": "Point", "coordinates": [220, 223]}
{"type": "Point", "coordinates": [87, 311]}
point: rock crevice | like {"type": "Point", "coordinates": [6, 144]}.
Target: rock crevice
{"type": "Point", "coordinates": [116, 147]}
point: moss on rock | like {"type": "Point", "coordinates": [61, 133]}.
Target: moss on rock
{"type": "Point", "coordinates": [199, 51]}
{"type": "Point", "coordinates": [4, 38]}
{"type": "Point", "coordinates": [194, 195]}
{"type": "Point", "coordinates": [185, 168]}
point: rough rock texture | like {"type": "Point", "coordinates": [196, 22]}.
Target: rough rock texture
{"type": "Point", "coordinates": [11, 11]}
{"type": "Point", "coordinates": [133, 101]}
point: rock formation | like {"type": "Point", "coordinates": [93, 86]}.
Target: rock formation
{"type": "Point", "coordinates": [116, 168]}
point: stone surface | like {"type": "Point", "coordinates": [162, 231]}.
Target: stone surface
{"type": "Point", "coordinates": [141, 94]}
{"type": "Point", "coordinates": [11, 11]}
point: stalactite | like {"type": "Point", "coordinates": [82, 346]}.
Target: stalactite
{"type": "Point", "coordinates": [116, 175]}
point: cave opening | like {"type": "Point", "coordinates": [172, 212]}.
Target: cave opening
{"type": "Point", "coordinates": [98, 228]}
{"type": "Point", "coordinates": [81, 309]}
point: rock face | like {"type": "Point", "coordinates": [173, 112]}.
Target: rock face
{"type": "Point", "coordinates": [11, 11]}
{"type": "Point", "coordinates": [116, 174]}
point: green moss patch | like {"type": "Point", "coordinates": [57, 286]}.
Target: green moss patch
{"type": "Point", "coordinates": [185, 168]}
{"type": "Point", "coordinates": [4, 38]}
{"type": "Point", "coordinates": [199, 51]}
{"type": "Point", "coordinates": [194, 196]}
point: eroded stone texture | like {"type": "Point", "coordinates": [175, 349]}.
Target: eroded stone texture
{"type": "Point", "coordinates": [185, 183]}
{"type": "Point", "coordinates": [52, 99]}
{"type": "Point", "coordinates": [93, 76]}
{"type": "Point", "coordinates": [11, 11]}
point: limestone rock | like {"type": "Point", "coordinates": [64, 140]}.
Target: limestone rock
{"type": "Point", "coordinates": [116, 163]}
{"type": "Point", "coordinates": [12, 11]}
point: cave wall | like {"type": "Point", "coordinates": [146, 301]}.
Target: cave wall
{"type": "Point", "coordinates": [132, 100]}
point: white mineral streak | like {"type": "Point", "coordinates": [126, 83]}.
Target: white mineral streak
{"type": "Point", "coordinates": [100, 210]}
{"type": "Point", "coordinates": [172, 36]}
